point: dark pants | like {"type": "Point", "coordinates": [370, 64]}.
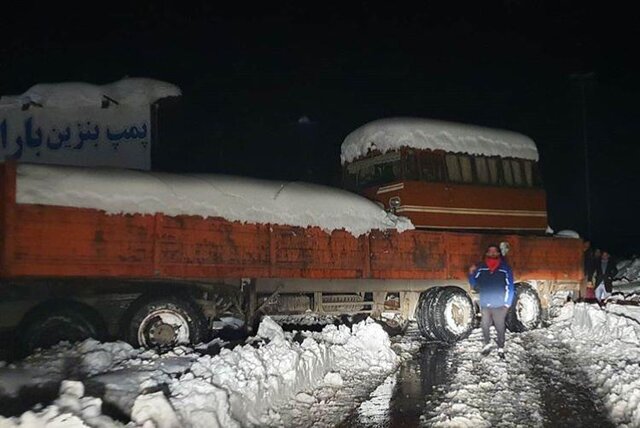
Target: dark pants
{"type": "Point", "coordinates": [495, 317]}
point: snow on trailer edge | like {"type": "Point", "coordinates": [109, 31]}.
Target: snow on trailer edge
{"type": "Point", "coordinates": [247, 200]}
{"type": "Point", "coordinates": [391, 134]}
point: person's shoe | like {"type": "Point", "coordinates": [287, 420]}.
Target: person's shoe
{"type": "Point", "coordinates": [486, 349]}
{"type": "Point", "coordinates": [501, 353]}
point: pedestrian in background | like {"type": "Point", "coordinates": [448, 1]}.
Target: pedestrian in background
{"type": "Point", "coordinates": [591, 258]}
{"type": "Point", "coordinates": [604, 273]}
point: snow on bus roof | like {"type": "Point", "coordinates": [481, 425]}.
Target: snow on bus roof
{"type": "Point", "coordinates": [391, 134]}
{"type": "Point", "coordinates": [127, 91]}
{"type": "Point", "coordinates": [119, 191]}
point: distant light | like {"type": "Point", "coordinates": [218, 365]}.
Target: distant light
{"type": "Point", "coordinates": [304, 120]}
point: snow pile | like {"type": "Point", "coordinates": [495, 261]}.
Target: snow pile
{"type": "Point", "coordinates": [608, 342]}
{"type": "Point", "coordinates": [249, 382]}
{"type": "Point", "coordinates": [617, 323]}
{"type": "Point", "coordinates": [391, 134]}
{"type": "Point", "coordinates": [127, 91]}
{"type": "Point", "coordinates": [70, 409]}
{"type": "Point", "coordinates": [628, 270]}
{"type": "Point", "coordinates": [568, 234]}
{"type": "Point", "coordinates": [246, 386]}
{"type": "Point", "coordinates": [233, 198]}
{"type": "Point", "coordinates": [82, 360]}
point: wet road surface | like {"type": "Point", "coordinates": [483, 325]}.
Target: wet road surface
{"type": "Point", "coordinates": [540, 384]}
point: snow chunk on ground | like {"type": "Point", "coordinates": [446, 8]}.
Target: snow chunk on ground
{"type": "Point", "coordinates": [249, 382]}
{"type": "Point", "coordinates": [232, 198]}
{"type": "Point", "coordinates": [154, 410]}
{"type": "Point", "coordinates": [391, 134]}
{"type": "Point", "coordinates": [269, 329]}
{"type": "Point", "coordinates": [333, 379]}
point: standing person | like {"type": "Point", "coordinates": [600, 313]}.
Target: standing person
{"type": "Point", "coordinates": [604, 273]}
{"type": "Point", "coordinates": [493, 279]}
{"type": "Point", "coordinates": [591, 257]}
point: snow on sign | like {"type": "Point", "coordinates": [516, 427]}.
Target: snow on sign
{"type": "Point", "coordinates": [391, 134]}
{"type": "Point", "coordinates": [82, 124]}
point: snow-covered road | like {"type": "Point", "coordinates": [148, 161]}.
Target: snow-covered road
{"type": "Point", "coordinates": [582, 370]}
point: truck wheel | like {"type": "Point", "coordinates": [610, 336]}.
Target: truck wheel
{"type": "Point", "coordinates": [526, 311]}
{"type": "Point", "coordinates": [424, 313]}
{"type": "Point", "coordinates": [56, 321]}
{"type": "Point", "coordinates": [453, 314]}
{"type": "Point", "coordinates": [164, 322]}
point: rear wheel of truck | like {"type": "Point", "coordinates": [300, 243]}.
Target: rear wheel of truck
{"type": "Point", "coordinates": [165, 321]}
{"type": "Point", "coordinates": [424, 311]}
{"type": "Point", "coordinates": [453, 314]}
{"type": "Point", "coordinates": [57, 321]}
{"type": "Point", "coordinates": [526, 311]}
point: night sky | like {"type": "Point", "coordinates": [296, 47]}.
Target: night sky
{"type": "Point", "coordinates": [249, 75]}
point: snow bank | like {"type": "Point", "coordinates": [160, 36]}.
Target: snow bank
{"type": "Point", "coordinates": [391, 134]}
{"type": "Point", "coordinates": [240, 387]}
{"type": "Point", "coordinates": [83, 360]}
{"type": "Point", "coordinates": [233, 198]}
{"type": "Point", "coordinates": [70, 409]}
{"type": "Point", "coordinates": [628, 270]}
{"type": "Point", "coordinates": [608, 344]}
{"type": "Point", "coordinates": [127, 91]}
{"type": "Point", "coordinates": [250, 382]}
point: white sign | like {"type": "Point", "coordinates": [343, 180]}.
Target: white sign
{"type": "Point", "coordinates": [118, 136]}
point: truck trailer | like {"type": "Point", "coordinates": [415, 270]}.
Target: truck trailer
{"type": "Point", "coordinates": [159, 259]}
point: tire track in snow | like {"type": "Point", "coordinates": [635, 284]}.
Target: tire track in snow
{"type": "Point", "coordinates": [568, 397]}
{"type": "Point", "coordinates": [486, 391]}
{"type": "Point", "coordinates": [539, 384]}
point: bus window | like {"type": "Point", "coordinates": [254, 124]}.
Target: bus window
{"type": "Point", "coordinates": [349, 180]}
{"type": "Point", "coordinates": [506, 171]}
{"type": "Point", "coordinates": [517, 173]}
{"type": "Point", "coordinates": [453, 168]}
{"type": "Point", "coordinates": [537, 177]}
{"type": "Point", "coordinates": [411, 166]}
{"type": "Point", "coordinates": [431, 166]}
{"type": "Point", "coordinates": [493, 171]}
{"type": "Point", "coordinates": [528, 174]}
{"type": "Point", "coordinates": [376, 170]}
{"type": "Point", "coordinates": [482, 171]}
{"type": "Point", "coordinates": [465, 168]}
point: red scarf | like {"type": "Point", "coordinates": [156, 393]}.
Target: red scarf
{"type": "Point", "coordinates": [492, 264]}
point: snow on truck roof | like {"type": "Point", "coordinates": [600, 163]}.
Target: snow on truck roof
{"type": "Point", "coordinates": [248, 200]}
{"type": "Point", "coordinates": [391, 134]}
{"type": "Point", "coordinates": [127, 91]}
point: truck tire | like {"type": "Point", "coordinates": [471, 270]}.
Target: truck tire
{"type": "Point", "coordinates": [164, 321]}
{"type": "Point", "coordinates": [526, 311]}
{"type": "Point", "coordinates": [453, 314]}
{"type": "Point", "coordinates": [424, 313]}
{"type": "Point", "coordinates": [56, 321]}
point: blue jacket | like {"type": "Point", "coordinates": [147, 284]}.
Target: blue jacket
{"type": "Point", "coordinates": [496, 289]}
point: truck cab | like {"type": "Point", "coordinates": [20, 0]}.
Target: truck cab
{"type": "Point", "coordinates": [443, 175]}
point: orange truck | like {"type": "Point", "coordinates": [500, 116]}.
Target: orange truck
{"type": "Point", "coordinates": [159, 273]}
